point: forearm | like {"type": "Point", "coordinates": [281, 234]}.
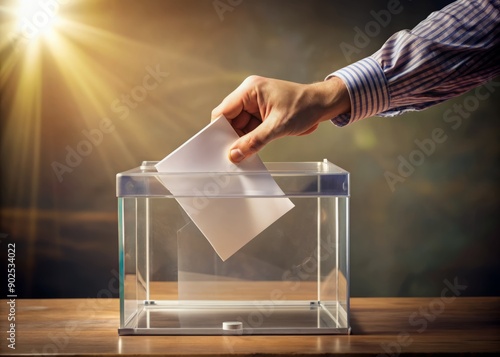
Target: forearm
{"type": "Point", "coordinates": [447, 54]}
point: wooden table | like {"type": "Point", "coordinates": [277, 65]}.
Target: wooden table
{"type": "Point", "coordinates": [379, 326]}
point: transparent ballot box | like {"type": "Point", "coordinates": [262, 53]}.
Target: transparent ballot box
{"type": "Point", "coordinates": [292, 278]}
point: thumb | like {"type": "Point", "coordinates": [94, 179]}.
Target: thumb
{"type": "Point", "coordinates": [251, 143]}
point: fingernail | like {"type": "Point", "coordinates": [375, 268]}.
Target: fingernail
{"type": "Point", "coordinates": [236, 155]}
{"type": "Point", "coordinates": [213, 117]}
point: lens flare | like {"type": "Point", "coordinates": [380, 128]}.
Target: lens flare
{"type": "Point", "coordinates": [38, 19]}
{"type": "Point", "coordinates": [49, 49]}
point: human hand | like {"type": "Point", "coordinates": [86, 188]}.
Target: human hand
{"type": "Point", "coordinates": [263, 109]}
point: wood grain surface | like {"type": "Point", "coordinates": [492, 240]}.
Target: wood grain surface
{"type": "Point", "coordinates": [380, 326]}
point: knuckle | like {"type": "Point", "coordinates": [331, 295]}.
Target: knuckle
{"type": "Point", "coordinates": [253, 80]}
{"type": "Point", "coordinates": [254, 144]}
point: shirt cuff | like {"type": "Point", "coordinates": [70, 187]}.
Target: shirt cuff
{"type": "Point", "coordinates": [365, 80]}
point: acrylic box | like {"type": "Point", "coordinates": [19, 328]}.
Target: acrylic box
{"type": "Point", "coordinates": [293, 278]}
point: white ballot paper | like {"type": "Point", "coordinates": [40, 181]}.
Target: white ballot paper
{"type": "Point", "coordinates": [227, 222]}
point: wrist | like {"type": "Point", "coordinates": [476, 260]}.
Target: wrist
{"type": "Point", "coordinates": [333, 98]}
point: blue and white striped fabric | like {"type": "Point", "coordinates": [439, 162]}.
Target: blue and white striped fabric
{"type": "Point", "coordinates": [453, 50]}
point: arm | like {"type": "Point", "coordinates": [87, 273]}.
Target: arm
{"type": "Point", "coordinates": [453, 50]}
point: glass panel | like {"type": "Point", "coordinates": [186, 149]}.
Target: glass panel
{"type": "Point", "coordinates": [128, 254]}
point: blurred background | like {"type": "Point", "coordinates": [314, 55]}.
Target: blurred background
{"type": "Point", "coordinates": [92, 88]}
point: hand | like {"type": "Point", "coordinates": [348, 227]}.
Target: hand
{"type": "Point", "coordinates": [263, 109]}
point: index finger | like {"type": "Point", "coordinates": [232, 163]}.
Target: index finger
{"type": "Point", "coordinates": [231, 106]}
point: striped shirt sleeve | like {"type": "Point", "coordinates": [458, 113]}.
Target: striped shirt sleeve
{"type": "Point", "coordinates": [452, 51]}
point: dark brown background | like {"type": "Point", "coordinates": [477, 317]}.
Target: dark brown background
{"type": "Point", "coordinates": [440, 223]}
